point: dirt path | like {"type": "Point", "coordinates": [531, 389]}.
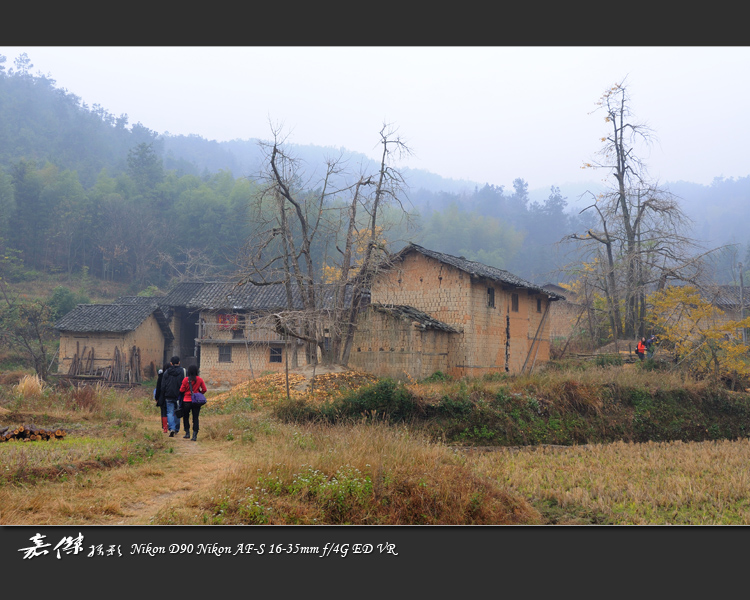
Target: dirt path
{"type": "Point", "coordinates": [192, 467]}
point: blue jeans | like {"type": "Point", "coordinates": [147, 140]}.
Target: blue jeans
{"type": "Point", "coordinates": [172, 422]}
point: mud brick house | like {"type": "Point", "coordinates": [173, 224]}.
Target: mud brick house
{"type": "Point", "coordinates": [565, 315]}
{"type": "Point", "coordinates": [229, 330]}
{"type": "Point", "coordinates": [733, 303]}
{"type": "Point", "coordinates": [431, 312]}
{"type": "Point", "coordinates": [123, 342]}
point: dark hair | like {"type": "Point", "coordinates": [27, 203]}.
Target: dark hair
{"type": "Point", "coordinates": [166, 366]}
{"type": "Point", "coordinates": [192, 373]}
{"type": "Point", "coordinates": [175, 360]}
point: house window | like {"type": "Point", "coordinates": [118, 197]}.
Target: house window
{"type": "Point", "coordinates": [538, 305]}
{"type": "Point", "coordinates": [225, 353]}
{"type": "Point", "coordinates": [238, 330]}
{"type": "Point", "coordinates": [275, 355]}
{"type": "Point", "coordinates": [514, 302]}
{"type": "Point", "coordinates": [491, 297]}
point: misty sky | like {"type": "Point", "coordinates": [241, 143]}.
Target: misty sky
{"type": "Point", "coordinates": [486, 114]}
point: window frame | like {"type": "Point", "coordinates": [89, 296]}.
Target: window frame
{"type": "Point", "coordinates": [225, 353]}
{"type": "Point", "coordinates": [275, 352]}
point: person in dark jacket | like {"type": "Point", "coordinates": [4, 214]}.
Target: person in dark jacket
{"type": "Point", "coordinates": [159, 397]}
{"type": "Point", "coordinates": [171, 381]}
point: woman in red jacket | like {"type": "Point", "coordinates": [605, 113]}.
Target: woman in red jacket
{"type": "Point", "coordinates": [191, 383]}
{"type": "Point", "coordinates": [641, 349]}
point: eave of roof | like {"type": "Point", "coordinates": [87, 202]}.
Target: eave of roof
{"type": "Point", "coordinates": [408, 313]}
{"type": "Point", "coordinates": [477, 269]}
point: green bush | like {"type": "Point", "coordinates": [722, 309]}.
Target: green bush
{"type": "Point", "coordinates": [607, 360]}
{"type": "Point", "coordinates": [437, 376]}
{"type": "Point", "coordinates": [63, 300]}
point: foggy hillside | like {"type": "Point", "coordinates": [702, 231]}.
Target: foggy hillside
{"type": "Point", "coordinates": [66, 167]}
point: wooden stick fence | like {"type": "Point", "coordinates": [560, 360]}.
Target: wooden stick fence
{"type": "Point", "coordinates": [120, 370]}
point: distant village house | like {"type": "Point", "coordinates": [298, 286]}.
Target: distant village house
{"type": "Point", "coordinates": [428, 312]}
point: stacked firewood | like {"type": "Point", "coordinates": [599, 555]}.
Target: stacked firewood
{"type": "Point", "coordinates": [29, 433]}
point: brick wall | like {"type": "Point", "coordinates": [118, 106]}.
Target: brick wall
{"type": "Point", "coordinates": [392, 347]}
{"type": "Point", "coordinates": [563, 317]}
{"type": "Point", "coordinates": [245, 362]}
{"type": "Point", "coordinates": [452, 296]}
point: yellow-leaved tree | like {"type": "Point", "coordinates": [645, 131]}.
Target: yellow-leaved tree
{"type": "Point", "coordinates": [362, 239]}
{"type": "Point", "coordinates": [700, 334]}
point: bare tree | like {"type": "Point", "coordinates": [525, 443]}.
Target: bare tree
{"type": "Point", "coordinates": [191, 264]}
{"type": "Point", "coordinates": [302, 225]}
{"type": "Point", "coordinates": [642, 229]}
{"type": "Point", "coordinates": [25, 325]}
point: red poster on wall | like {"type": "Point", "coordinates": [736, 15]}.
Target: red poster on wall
{"type": "Point", "coordinates": [226, 321]}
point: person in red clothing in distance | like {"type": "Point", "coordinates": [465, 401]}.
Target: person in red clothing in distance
{"type": "Point", "coordinates": [641, 348]}
{"type": "Point", "coordinates": [192, 383]}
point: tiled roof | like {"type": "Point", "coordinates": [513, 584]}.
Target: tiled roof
{"type": "Point", "coordinates": [728, 295]}
{"type": "Point", "coordinates": [181, 294]}
{"type": "Point", "coordinates": [229, 296]}
{"type": "Point", "coordinates": [216, 296]}
{"type": "Point", "coordinates": [560, 291]}
{"type": "Point", "coordinates": [477, 269]}
{"type": "Point", "coordinates": [409, 313]}
{"type": "Point", "coordinates": [146, 300]}
{"type": "Point", "coordinates": [114, 318]}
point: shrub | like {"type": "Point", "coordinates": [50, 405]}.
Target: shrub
{"type": "Point", "coordinates": [607, 360]}
{"type": "Point", "coordinates": [436, 377]}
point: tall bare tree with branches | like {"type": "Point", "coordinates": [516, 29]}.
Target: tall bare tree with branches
{"type": "Point", "coordinates": [641, 238]}
{"type": "Point", "coordinates": [303, 224]}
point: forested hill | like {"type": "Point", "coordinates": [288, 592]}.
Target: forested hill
{"type": "Point", "coordinates": [83, 190]}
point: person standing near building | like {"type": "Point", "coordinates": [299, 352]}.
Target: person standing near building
{"type": "Point", "coordinates": [171, 381]}
{"type": "Point", "coordinates": [192, 383]}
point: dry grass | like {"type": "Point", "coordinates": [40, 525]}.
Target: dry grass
{"type": "Point", "coordinates": [704, 483]}
{"type": "Point", "coordinates": [360, 474]}
{"type": "Point", "coordinates": [250, 468]}
{"type": "Point", "coordinates": [31, 387]}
